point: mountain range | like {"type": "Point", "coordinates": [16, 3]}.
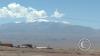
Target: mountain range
{"type": "Point", "coordinates": [55, 34]}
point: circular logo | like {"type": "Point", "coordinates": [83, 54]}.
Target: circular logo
{"type": "Point", "coordinates": [84, 44]}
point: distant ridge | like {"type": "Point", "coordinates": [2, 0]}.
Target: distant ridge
{"type": "Point", "coordinates": [47, 33]}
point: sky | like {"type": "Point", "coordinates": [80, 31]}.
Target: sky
{"type": "Point", "coordinates": [77, 12]}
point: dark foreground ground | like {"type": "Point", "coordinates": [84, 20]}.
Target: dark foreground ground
{"type": "Point", "coordinates": [5, 51]}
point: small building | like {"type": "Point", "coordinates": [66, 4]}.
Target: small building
{"type": "Point", "coordinates": [26, 46]}
{"type": "Point", "coordinates": [44, 48]}
{"type": "Point", "coordinates": [6, 44]}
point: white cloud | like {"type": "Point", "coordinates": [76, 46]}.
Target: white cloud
{"type": "Point", "coordinates": [19, 14]}
{"type": "Point", "coordinates": [57, 14]}
{"type": "Point", "coordinates": [41, 14]}
{"type": "Point", "coordinates": [65, 22]}
{"type": "Point", "coordinates": [18, 11]}
{"type": "Point", "coordinates": [17, 22]}
{"type": "Point", "coordinates": [41, 20]}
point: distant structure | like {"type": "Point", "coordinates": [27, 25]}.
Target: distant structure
{"type": "Point", "coordinates": [44, 47]}
{"type": "Point", "coordinates": [25, 46]}
{"type": "Point", "coordinates": [6, 44]}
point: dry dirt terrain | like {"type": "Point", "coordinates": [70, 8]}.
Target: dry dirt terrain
{"type": "Point", "coordinates": [5, 51]}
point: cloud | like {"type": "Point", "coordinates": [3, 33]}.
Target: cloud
{"type": "Point", "coordinates": [65, 22]}
{"type": "Point", "coordinates": [41, 20]}
{"type": "Point", "coordinates": [18, 13]}
{"type": "Point", "coordinates": [14, 10]}
{"type": "Point", "coordinates": [17, 22]}
{"type": "Point", "coordinates": [57, 14]}
{"type": "Point", "coordinates": [34, 15]}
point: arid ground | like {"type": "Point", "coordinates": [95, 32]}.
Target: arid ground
{"type": "Point", "coordinates": [5, 51]}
